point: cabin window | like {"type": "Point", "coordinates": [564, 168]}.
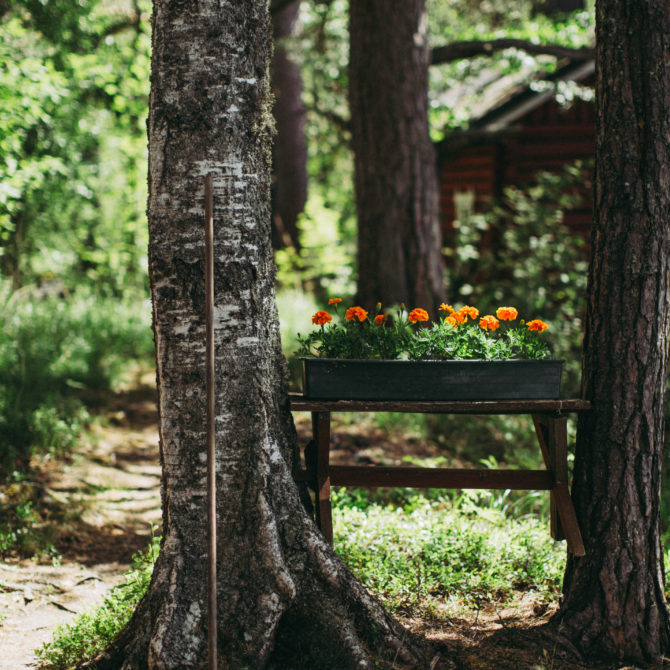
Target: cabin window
{"type": "Point", "coordinates": [464, 205]}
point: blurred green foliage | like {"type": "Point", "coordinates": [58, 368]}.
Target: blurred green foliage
{"type": "Point", "coordinates": [455, 21]}
{"type": "Point", "coordinates": [54, 354]}
{"type": "Point", "coordinates": [320, 47]}
{"type": "Point", "coordinates": [74, 82]}
{"type": "Point", "coordinates": [74, 79]}
{"type": "Point", "coordinates": [519, 253]}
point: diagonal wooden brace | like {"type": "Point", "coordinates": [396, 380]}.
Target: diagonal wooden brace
{"type": "Point", "coordinates": [553, 438]}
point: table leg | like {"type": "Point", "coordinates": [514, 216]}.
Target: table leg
{"type": "Point", "coordinates": [557, 447]}
{"type": "Point", "coordinates": [321, 433]}
{"type": "Point", "coordinates": [542, 427]}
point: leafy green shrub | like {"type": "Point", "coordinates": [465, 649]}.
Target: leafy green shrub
{"type": "Point", "coordinates": [520, 252]}
{"type": "Point", "coordinates": [91, 632]}
{"type": "Point", "coordinates": [22, 528]}
{"type": "Point", "coordinates": [73, 104]}
{"type": "Point", "coordinates": [54, 352]}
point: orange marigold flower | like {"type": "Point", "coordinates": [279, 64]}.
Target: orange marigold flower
{"type": "Point", "coordinates": [334, 301]}
{"type": "Point", "coordinates": [470, 311]}
{"type": "Point", "coordinates": [452, 320]}
{"type": "Point", "coordinates": [460, 316]}
{"type": "Point", "coordinates": [380, 318]}
{"type": "Point", "coordinates": [507, 313]}
{"type": "Point", "coordinates": [418, 314]}
{"type": "Point", "coordinates": [321, 318]}
{"type": "Point", "coordinates": [447, 308]}
{"type": "Point", "coordinates": [537, 324]}
{"type": "Point", "coordinates": [356, 313]}
{"type": "Point", "coordinates": [489, 322]}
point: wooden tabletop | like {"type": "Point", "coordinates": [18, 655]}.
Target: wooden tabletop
{"type": "Point", "coordinates": [301, 404]}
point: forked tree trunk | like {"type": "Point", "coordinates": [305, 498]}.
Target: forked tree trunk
{"type": "Point", "coordinates": [399, 240]}
{"type": "Point", "coordinates": [284, 598]}
{"type": "Point", "coordinates": [614, 597]}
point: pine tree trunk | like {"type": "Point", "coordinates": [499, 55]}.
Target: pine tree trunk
{"type": "Point", "coordinates": [285, 600]}
{"type": "Point", "coordinates": [289, 156]}
{"type": "Point", "coordinates": [614, 602]}
{"type": "Point", "coordinates": [399, 240]}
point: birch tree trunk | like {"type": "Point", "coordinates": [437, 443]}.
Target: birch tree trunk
{"type": "Point", "coordinates": [284, 598]}
{"type": "Point", "coordinates": [399, 239]}
{"type": "Point", "coordinates": [614, 602]}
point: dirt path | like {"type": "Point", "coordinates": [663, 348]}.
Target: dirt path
{"type": "Point", "coordinates": [108, 498]}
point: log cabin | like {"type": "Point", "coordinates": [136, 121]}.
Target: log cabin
{"type": "Point", "coordinates": [525, 131]}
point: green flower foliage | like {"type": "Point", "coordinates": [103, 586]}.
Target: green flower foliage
{"type": "Point", "coordinates": [462, 335]}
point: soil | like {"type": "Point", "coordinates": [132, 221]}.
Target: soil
{"type": "Point", "coordinates": [105, 499]}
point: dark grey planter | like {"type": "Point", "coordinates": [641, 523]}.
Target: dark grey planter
{"type": "Point", "coordinates": [341, 379]}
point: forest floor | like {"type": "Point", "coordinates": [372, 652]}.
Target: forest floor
{"type": "Point", "coordinates": [106, 499]}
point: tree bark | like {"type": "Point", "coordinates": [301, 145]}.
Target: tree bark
{"type": "Point", "coordinates": [399, 239]}
{"type": "Point", "coordinates": [614, 602]}
{"type": "Point", "coordinates": [289, 156]}
{"type": "Point", "coordinates": [285, 600]}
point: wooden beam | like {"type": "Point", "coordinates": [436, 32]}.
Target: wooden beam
{"type": "Point", "coordinates": [301, 404]}
{"type": "Point", "coordinates": [459, 50]}
{"type": "Point", "coordinates": [439, 478]}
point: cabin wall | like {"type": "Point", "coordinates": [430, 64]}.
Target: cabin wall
{"type": "Point", "coordinates": [546, 138]}
{"type": "Point", "coordinates": [472, 170]}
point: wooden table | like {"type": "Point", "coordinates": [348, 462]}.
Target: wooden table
{"type": "Point", "coordinates": [550, 427]}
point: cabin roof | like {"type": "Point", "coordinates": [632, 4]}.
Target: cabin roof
{"type": "Point", "coordinates": [505, 100]}
{"type": "Point", "coordinates": [521, 102]}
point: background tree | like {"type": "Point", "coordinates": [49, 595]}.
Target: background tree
{"type": "Point", "coordinates": [399, 240]}
{"type": "Point", "coordinates": [285, 599]}
{"type": "Point", "coordinates": [289, 151]}
{"type": "Point", "coordinates": [614, 602]}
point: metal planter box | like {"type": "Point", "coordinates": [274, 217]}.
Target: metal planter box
{"type": "Point", "coordinates": [341, 379]}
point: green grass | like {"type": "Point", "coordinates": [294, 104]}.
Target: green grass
{"type": "Point", "coordinates": [433, 554]}
{"type": "Point", "coordinates": [55, 354]}
{"type": "Point", "coordinates": [427, 558]}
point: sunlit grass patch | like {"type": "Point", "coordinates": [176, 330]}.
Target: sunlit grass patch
{"type": "Point", "coordinates": [432, 552]}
